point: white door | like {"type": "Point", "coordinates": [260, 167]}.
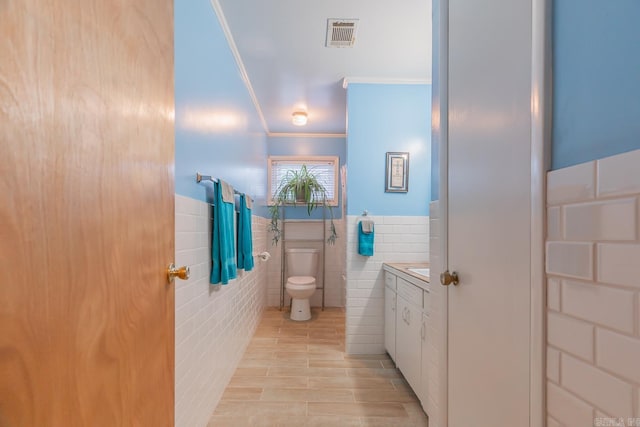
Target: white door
{"type": "Point", "coordinates": [489, 182]}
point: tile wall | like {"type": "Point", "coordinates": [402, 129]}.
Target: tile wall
{"type": "Point", "coordinates": [335, 263]}
{"type": "Point", "coordinates": [593, 292]}
{"type": "Point", "coordinates": [214, 324]}
{"type": "Point", "coordinates": [397, 239]}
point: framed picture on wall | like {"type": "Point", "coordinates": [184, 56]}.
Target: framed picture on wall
{"type": "Point", "coordinates": [397, 172]}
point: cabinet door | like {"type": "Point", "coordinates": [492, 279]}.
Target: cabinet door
{"type": "Point", "coordinates": [408, 341]}
{"type": "Point", "coordinates": [423, 394]}
{"type": "Point", "coordinates": [390, 322]}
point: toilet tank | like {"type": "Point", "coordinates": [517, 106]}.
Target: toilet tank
{"type": "Point", "coordinates": [302, 262]}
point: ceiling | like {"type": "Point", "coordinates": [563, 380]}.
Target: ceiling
{"type": "Point", "coordinates": [280, 45]}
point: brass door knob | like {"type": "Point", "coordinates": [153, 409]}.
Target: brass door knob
{"type": "Point", "coordinates": [447, 278]}
{"type": "Point", "coordinates": [179, 272]}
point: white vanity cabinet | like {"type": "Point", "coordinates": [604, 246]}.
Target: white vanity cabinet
{"type": "Point", "coordinates": [406, 316]}
{"type": "Point", "coordinates": [390, 314]}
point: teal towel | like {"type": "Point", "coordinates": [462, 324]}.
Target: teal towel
{"type": "Point", "coordinates": [365, 241]}
{"type": "Point", "coordinates": [223, 252]}
{"type": "Point", "coordinates": [245, 236]}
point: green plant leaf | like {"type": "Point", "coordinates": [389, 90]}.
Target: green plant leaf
{"type": "Point", "coordinates": [296, 183]}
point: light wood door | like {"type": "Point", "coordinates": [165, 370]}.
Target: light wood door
{"type": "Point", "coordinates": [86, 213]}
{"type": "Point", "coordinates": [489, 211]}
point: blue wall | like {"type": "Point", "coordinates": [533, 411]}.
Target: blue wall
{"type": "Point", "coordinates": [596, 82]}
{"type": "Point", "coordinates": [384, 118]}
{"type": "Point", "coordinates": [218, 130]}
{"type": "Point", "coordinates": [309, 146]}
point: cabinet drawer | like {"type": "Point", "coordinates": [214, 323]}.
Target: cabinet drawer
{"type": "Point", "coordinates": [390, 280]}
{"type": "Point", "coordinates": [410, 292]}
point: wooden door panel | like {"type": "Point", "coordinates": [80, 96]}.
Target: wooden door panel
{"type": "Point", "coordinates": [87, 217]}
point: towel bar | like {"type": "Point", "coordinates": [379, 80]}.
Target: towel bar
{"type": "Point", "coordinates": [200, 178]}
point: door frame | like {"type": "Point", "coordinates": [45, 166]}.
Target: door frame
{"type": "Point", "coordinates": [541, 109]}
{"type": "Point", "coordinates": [541, 118]}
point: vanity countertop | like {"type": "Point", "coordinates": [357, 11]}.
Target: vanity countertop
{"type": "Point", "coordinates": [404, 267]}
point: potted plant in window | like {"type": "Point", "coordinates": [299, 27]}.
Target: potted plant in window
{"type": "Point", "coordinates": [299, 187]}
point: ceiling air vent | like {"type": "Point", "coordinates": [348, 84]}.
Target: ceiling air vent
{"type": "Point", "coordinates": [341, 32]}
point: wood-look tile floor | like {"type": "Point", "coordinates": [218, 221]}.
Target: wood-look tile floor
{"type": "Point", "coordinates": [297, 374]}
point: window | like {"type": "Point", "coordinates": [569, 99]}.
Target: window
{"type": "Point", "coordinates": [324, 167]}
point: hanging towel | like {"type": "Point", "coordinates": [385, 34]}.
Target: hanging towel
{"type": "Point", "coordinates": [365, 237]}
{"type": "Point", "coordinates": [245, 243]}
{"type": "Point", "coordinates": [223, 252]}
{"type": "Point", "coordinates": [367, 226]}
{"type": "Point", "coordinates": [227, 192]}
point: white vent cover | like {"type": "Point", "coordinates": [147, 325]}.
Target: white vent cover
{"type": "Point", "coordinates": [341, 32]}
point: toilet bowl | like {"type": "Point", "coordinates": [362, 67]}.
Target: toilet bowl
{"type": "Point", "coordinates": [300, 289]}
{"type": "Point", "coordinates": [302, 265]}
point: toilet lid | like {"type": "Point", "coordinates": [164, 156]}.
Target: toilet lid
{"type": "Point", "coordinates": [301, 280]}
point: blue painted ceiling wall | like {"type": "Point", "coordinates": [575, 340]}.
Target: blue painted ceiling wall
{"type": "Point", "coordinates": [596, 81]}
{"type": "Point", "coordinates": [388, 118]}
{"type": "Point", "coordinates": [218, 130]}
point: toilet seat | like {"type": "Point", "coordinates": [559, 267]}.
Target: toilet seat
{"type": "Point", "coordinates": [300, 282]}
{"type": "Point", "coordinates": [298, 288]}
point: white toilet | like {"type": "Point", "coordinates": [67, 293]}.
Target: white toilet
{"type": "Point", "coordinates": [302, 265]}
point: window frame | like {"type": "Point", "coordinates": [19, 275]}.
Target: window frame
{"type": "Point", "coordinates": [305, 160]}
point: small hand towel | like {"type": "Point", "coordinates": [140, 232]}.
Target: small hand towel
{"type": "Point", "coordinates": [367, 226]}
{"type": "Point", "coordinates": [227, 192]}
{"type": "Point", "coordinates": [365, 239]}
{"type": "Point", "coordinates": [245, 236]}
{"type": "Point", "coordinates": [223, 259]}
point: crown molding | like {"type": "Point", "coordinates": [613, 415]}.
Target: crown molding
{"type": "Point", "coordinates": [234, 50]}
{"type": "Point", "coordinates": [384, 81]}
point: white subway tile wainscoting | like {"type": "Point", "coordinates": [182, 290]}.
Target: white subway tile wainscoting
{"type": "Point", "coordinates": [593, 292]}
{"type": "Point", "coordinates": [397, 239]}
{"type": "Point", "coordinates": [214, 323]}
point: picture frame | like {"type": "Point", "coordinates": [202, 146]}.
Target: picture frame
{"type": "Point", "coordinates": [397, 172]}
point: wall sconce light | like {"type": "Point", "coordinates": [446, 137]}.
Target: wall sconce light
{"type": "Point", "coordinates": [299, 118]}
